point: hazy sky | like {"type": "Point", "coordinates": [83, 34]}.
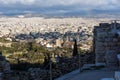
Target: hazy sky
{"type": "Point", "coordinates": [57, 6]}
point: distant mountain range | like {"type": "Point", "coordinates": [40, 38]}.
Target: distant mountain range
{"type": "Point", "coordinates": [62, 13]}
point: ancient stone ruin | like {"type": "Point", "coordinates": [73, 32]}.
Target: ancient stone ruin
{"type": "Point", "coordinates": [107, 43]}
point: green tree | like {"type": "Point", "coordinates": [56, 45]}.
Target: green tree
{"type": "Point", "coordinates": [46, 61]}
{"type": "Point", "coordinates": [75, 50]}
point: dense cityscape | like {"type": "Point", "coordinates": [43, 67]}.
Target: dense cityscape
{"type": "Point", "coordinates": [27, 46]}
{"type": "Point", "coordinates": [35, 48]}
{"type": "Point", "coordinates": [59, 40]}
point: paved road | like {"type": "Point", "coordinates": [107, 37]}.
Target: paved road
{"type": "Point", "coordinates": [92, 75]}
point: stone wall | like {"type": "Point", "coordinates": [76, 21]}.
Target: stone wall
{"type": "Point", "coordinates": [106, 43]}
